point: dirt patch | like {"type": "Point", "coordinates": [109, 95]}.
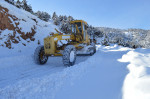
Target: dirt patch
{"type": "Point", "coordinates": [6, 23]}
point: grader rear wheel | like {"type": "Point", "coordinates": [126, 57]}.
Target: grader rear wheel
{"type": "Point", "coordinates": [39, 55]}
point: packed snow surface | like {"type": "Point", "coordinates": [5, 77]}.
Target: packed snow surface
{"type": "Point", "coordinates": [91, 77]}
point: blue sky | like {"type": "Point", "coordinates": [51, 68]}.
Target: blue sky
{"type": "Point", "coordinates": [101, 13]}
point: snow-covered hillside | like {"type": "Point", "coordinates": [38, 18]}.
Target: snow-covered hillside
{"type": "Point", "coordinates": [20, 29]}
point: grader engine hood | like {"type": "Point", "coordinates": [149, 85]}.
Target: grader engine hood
{"type": "Point", "coordinates": [64, 39]}
{"type": "Point", "coordinates": [52, 43]}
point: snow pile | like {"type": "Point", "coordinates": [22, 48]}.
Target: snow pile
{"type": "Point", "coordinates": [113, 48]}
{"type": "Point", "coordinates": [137, 82]}
{"type": "Point", "coordinates": [61, 43]}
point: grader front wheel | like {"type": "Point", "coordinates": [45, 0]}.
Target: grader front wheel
{"type": "Point", "coordinates": [69, 55]}
{"type": "Point", "coordinates": [39, 55]}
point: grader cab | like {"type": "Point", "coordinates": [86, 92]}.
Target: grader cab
{"type": "Point", "coordinates": [68, 46]}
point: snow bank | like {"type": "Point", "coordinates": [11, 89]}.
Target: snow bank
{"type": "Point", "coordinates": [137, 82]}
{"type": "Point", "coordinates": [114, 48]}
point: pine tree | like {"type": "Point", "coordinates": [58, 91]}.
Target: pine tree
{"type": "Point", "coordinates": [70, 18]}
{"type": "Point", "coordinates": [29, 8]}
{"type": "Point", "coordinates": [65, 18]}
{"type": "Point", "coordinates": [24, 2]}
{"type": "Point", "coordinates": [54, 17]}
{"type": "Point", "coordinates": [26, 6]}
{"type": "Point", "coordinates": [61, 18]}
{"type": "Point", "coordinates": [11, 1]}
{"type": "Point", "coordinates": [46, 16]}
{"type": "Point", "coordinates": [43, 16]}
{"type": "Point", "coordinates": [18, 4]}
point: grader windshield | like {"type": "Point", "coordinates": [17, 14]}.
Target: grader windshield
{"type": "Point", "coordinates": [79, 27]}
{"type": "Point", "coordinates": [76, 27]}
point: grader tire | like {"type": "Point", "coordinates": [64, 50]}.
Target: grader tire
{"type": "Point", "coordinates": [94, 46]}
{"type": "Point", "coordinates": [69, 55]}
{"type": "Point", "coordinates": [93, 50]}
{"type": "Point", "coordinates": [39, 56]}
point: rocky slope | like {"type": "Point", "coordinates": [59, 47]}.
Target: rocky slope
{"type": "Point", "coordinates": [11, 23]}
{"type": "Point", "coordinates": [19, 28]}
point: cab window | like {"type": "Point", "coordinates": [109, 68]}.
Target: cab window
{"type": "Point", "coordinates": [79, 26]}
{"type": "Point", "coordinates": [84, 32]}
{"type": "Point", "coordinates": [73, 28]}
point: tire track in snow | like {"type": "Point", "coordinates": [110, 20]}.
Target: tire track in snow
{"type": "Point", "coordinates": [52, 81]}
{"type": "Point", "coordinates": [17, 70]}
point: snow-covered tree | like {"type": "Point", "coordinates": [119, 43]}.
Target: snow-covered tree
{"type": "Point", "coordinates": [65, 27]}
{"type": "Point", "coordinates": [43, 15]}
{"type": "Point", "coordinates": [24, 2]}
{"type": "Point", "coordinates": [70, 18]}
{"type": "Point", "coordinates": [147, 40]}
{"type": "Point", "coordinates": [26, 6]}
{"type": "Point", "coordinates": [11, 1]}
{"type": "Point", "coordinates": [61, 18]}
{"type": "Point", "coordinates": [18, 4]}
{"type": "Point", "coordinates": [63, 22]}
{"type": "Point", "coordinates": [54, 17]}
{"type": "Point", "coordinates": [65, 17]}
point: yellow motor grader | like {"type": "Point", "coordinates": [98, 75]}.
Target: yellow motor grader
{"type": "Point", "coordinates": [68, 46]}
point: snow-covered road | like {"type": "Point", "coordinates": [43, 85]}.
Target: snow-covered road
{"type": "Point", "coordinates": [92, 77]}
